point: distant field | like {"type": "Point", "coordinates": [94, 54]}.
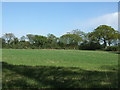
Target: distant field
{"type": "Point", "coordinates": [35, 68]}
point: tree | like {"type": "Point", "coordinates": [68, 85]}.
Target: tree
{"type": "Point", "coordinates": [78, 32]}
{"type": "Point", "coordinates": [104, 34]}
{"type": "Point", "coordinates": [51, 36]}
{"type": "Point", "coordinates": [30, 37]}
{"type": "Point", "coordinates": [0, 42]}
{"type": "Point", "coordinates": [24, 44]}
{"type": "Point", "coordinates": [52, 41]}
{"type": "Point", "coordinates": [70, 40]}
{"type": "Point", "coordinates": [14, 43]}
{"type": "Point", "coordinates": [8, 37]}
{"type": "Point", "coordinates": [113, 38]}
{"type": "Point", "coordinates": [23, 38]}
{"type": "Point", "coordinates": [40, 41]}
{"type": "Point", "coordinates": [92, 37]}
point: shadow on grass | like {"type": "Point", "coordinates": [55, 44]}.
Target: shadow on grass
{"type": "Point", "coordinates": [110, 67]}
{"type": "Point", "coordinates": [19, 76]}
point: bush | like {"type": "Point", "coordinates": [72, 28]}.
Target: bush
{"type": "Point", "coordinates": [89, 46]}
{"type": "Point", "coordinates": [112, 48]}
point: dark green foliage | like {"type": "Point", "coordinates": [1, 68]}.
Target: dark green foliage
{"type": "Point", "coordinates": [72, 40]}
{"type": "Point", "coordinates": [23, 45]}
{"type": "Point", "coordinates": [112, 48]}
{"type": "Point", "coordinates": [89, 46]}
{"type": "Point", "coordinates": [52, 42]}
{"type": "Point", "coordinates": [39, 41]}
{"type": "Point", "coordinates": [0, 42]}
{"type": "Point", "coordinates": [105, 34]}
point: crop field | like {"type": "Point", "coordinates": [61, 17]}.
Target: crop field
{"type": "Point", "coordinates": [42, 68]}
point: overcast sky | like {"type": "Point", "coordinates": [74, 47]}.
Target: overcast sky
{"type": "Point", "coordinates": [57, 18]}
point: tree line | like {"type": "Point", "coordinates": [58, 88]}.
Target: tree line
{"type": "Point", "coordinates": [103, 37]}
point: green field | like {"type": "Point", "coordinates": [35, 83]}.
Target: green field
{"type": "Point", "coordinates": [33, 68]}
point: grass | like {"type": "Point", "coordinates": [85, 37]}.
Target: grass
{"type": "Point", "coordinates": [27, 68]}
{"type": "Point", "coordinates": [90, 60]}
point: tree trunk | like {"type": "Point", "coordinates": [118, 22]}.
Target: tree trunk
{"type": "Point", "coordinates": [109, 43]}
{"type": "Point", "coordinates": [105, 43]}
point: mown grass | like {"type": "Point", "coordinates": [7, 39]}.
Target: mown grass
{"type": "Point", "coordinates": [59, 69]}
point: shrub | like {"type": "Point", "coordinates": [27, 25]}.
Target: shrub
{"type": "Point", "coordinates": [112, 48]}
{"type": "Point", "coordinates": [89, 46]}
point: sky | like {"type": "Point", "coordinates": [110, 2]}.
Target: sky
{"type": "Point", "coordinates": [60, 0]}
{"type": "Point", "coordinates": [57, 18]}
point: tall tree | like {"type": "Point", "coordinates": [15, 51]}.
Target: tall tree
{"type": "Point", "coordinates": [30, 37]}
{"type": "Point", "coordinates": [8, 37]}
{"type": "Point", "coordinates": [104, 34]}
{"type": "Point", "coordinates": [40, 41]}
{"type": "Point", "coordinates": [70, 40]}
{"type": "Point", "coordinates": [78, 32]}
{"type": "Point", "coordinates": [23, 38]}
{"type": "Point", "coordinates": [52, 41]}
{"type": "Point", "coordinates": [15, 41]}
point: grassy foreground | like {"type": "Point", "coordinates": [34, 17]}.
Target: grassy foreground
{"type": "Point", "coordinates": [59, 68]}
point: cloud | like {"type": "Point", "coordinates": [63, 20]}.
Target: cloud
{"type": "Point", "coordinates": [107, 19]}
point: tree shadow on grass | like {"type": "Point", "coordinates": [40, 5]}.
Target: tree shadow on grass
{"type": "Point", "coordinates": [110, 67]}
{"type": "Point", "coordinates": [14, 76]}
